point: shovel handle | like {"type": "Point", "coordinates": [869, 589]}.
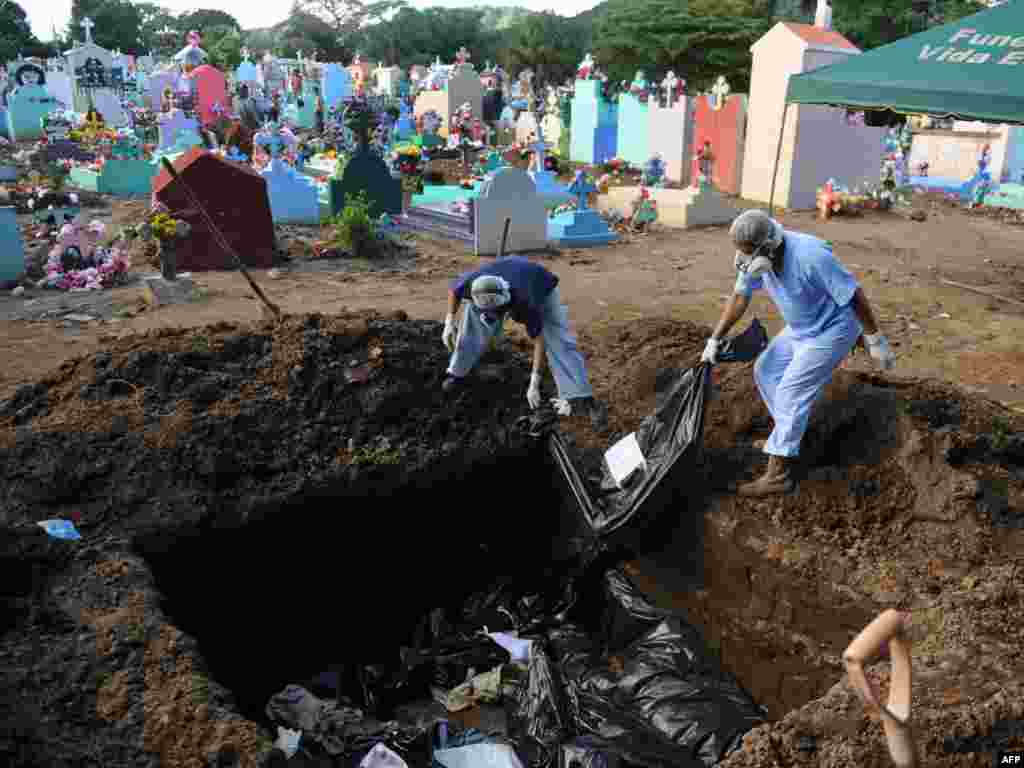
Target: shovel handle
{"type": "Point", "coordinates": [504, 238]}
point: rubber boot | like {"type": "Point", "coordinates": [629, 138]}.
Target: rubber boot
{"type": "Point", "coordinates": [777, 479]}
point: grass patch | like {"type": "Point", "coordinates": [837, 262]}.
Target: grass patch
{"type": "Point", "coordinates": [122, 312]}
{"type": "Point", "coordinates": [200, 344]}
{"type": "Point", "coordinates": [200, 689]}
{"type": "Point", "coordinates": [932, 629]}
{"type": "Point", "coordinates": [1001, 430]}
{"type": "Point", "coordinates": [199, 293]}
{"type": "Point", "coordinates": [104, 679]}
{"type": "Point", "coordinates": [365, 456]}
{"type": "Point", "coordinates": [137, 633]}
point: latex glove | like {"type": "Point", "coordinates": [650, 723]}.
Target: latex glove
{"type": "Point", "coordinates": [533, 393]}
{"type": "Point", "coordinates": [562, 407]}
{"type": "Point", "coordinates": [711, 351]}
{"type": "Point", "coordinates": [448, 337]}
{"type": "Point", "coordinates": [878, 347]}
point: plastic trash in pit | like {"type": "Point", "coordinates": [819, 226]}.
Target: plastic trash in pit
{"type": "Point", "coordinates": [362, 620]}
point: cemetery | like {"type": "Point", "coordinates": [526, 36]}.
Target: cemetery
{"type": "Point", "coordinates": [224, 281]}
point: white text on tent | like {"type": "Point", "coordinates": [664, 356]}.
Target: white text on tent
{"type": "Point", "coordinates": [966, 56]}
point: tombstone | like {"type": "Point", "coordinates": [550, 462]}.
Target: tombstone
{"type": "Point", "coordinates": [817, 142]}
{"type": "Point", "coordinates": [551, 123]}
{"type": "Point", "coordinates": [594, 125]}
{"type": "Point", "coordinates": [108, 104]}
{"type": "Point", "coordinates": [211, 90]}
{"type": "Point", "coordinates": [243, 215]}
{"type": "Point", "coordinates": [171, 124]}
{"type": "Point", "coordinates": [246, 71]}
{"type": "Point", "coordinates": [670, 129]}
{"type": "Point", "coordinates": [360, 72]}
{"type": "Point", "coordinates": [509, 193]}
{"type": "Point", "coordinates": [388, 79]}
{"type": "Point", "coordinates": [632, 139]}
{"type": "Point", "coordinates": [462, 87]}
{"type": "Point", "coordinates": [294, 198]}
{"type": "Point", "coordinates": [551, 193]}
{"type": "Point", "coordinates": [302, 113]}
{"type": "Point", "coordinates": [526, 127]}
{"type": "Point", "coordinates": [90, 65]}
{"type": "Point", "coordinates": [28, 104]}
{"type": "Point", "coordinates": [335, 85]}
{"type": "Point", "coordinates": [405, 128]}
{"type": "Point", "coordinates": [12, 249]}
{"type": "Point", "coordinates": [367, 172]}
{"type": "Point", "coordinates": [721, 118]}
{"type": "Point", "coordinates": [157, 83]}
{"type": "Point", "coordinates": [584, 226]}
{"type": "Point", "coordinates": [62, 88]}
{"type": "Point", "coordinates": [124, 174]}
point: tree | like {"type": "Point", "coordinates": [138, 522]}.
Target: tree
{"type": "Point", "coordinates": [117, 24]}
{"type": "Point", "coordinates": [343, 16]}
{"type": "Point", "coordinates": [205, 19]}
{"type": "Point", "coordinates": [158, 31]}
{"type": "Point", "coordinates": [303, 31]}
{"type": "Point", "coordinates": [871, 23]}
{"type": "Point", "coordinates": [660, 34]}
{"type": "Point", "coordinates": [15, 32]}
{"type": "Point", "coordinates": [223, 44]}
{"type": "Point", "coordinates": [551, 45]}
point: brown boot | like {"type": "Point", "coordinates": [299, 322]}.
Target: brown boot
{"type": "Point", "coordinates": [777, 479]}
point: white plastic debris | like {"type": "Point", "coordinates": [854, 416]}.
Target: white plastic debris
{"type": "Point", "coordinates": [382, 757]}
{"type": "Point", "coordinates": [519, 649]}
{"type": "Point", "coordinates": [18, 291]}
{"type": "Point", "coordinates": [288, 741]}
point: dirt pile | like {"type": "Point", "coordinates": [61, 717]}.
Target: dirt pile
{"type": "Point", "coordinates": [286, 474]}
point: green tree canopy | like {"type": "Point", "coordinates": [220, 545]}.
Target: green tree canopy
{"type": "Point", "coordinates": [551, 45]}
{"type": "Point", "coordinates": [205, 19]}
{"type": "Point", "coordinates": [15, 32]}
{"type": "Point", "coordinates": [118, 24]}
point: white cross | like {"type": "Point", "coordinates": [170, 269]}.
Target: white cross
{"type": "Point", "coordinates": [720, 90]}
{"type": "Point", "coordinates": [87, 24]}
{"type": "Point", "coordinates": [245, 54]}
{"type": "Point", "coordinates": [669, 86]}
{"type": "Point", "coordinates": [538, 146]}
{"type": "Point", "coordinates": [300, 58]}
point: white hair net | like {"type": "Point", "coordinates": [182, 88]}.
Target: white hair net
{"type": "Point", "coordinates": [756, 230]}
{"type": "Point", "coordinates": [490, 292]}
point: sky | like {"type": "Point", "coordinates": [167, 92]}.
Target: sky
{"type": "Point", "coordinates": [43, 15]}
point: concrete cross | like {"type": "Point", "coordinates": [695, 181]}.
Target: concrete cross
{"type": "Point", "coordinates": [539, 146]}
{"type": "Point", "coordinates": [582, 188]}
{"type": "Point", "coordinates": [245, 54]}
{"type": "Point", "coordinates": [669, 85]}
{"type": "Point", "coordinates": [720, 90]}
{"type": "Point", "coordinates": [87, 24]}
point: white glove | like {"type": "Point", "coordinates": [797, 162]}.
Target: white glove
{"type": "Point", "coordinates": [533, 393]}
{"type": "Point", "coordinates": [562, 407]}
{"type": "Point", "coordinates": [878, 347]}
{"type": "Point", "coordinates": [711, 351]}
{"type": "Point", "coordinates": [448, 337]}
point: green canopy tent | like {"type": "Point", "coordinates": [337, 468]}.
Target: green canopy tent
{"type": "Point", "coordinates": [970, 69]}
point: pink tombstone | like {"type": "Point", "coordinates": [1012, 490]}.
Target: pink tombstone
{"type": "Point", "coordinates": [725, 129]}
{"type": "Point", "coordinates": [211, 90]}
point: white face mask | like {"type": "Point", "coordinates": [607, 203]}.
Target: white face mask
{"type": "Point", "coordinates": [754, 265]}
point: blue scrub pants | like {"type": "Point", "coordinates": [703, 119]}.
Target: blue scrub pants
{"type": "Point", "coordinates": [791, 374]}
{"type": "Point", "coordinates": [564, 358]}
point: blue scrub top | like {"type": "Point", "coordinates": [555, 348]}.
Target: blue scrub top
{"type": "Point", "coordinates": [814, 290]}
{"type": "Point", "coordinates": [529, 284]}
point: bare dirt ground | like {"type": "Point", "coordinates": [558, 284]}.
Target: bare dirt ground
{"type": "Point", "coordinates": [787, 582]}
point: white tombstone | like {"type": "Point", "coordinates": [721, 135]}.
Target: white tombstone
{"type": "Point", "coordinates": [817, 142]}
{"type": "Point", "coordinates": [76, 59]}
{"type": "Point", "coordinates": [670, 132]}
{"type": "Point", "coordinates": [509, 193]}
{"type": "Point", "coordinates": [388, 79]}
{"type": "Point", "coordinates": [108, 104]}
{"type": "Point", "coordinates": [61, 87]}
{"type": "Point", "coordinates": [526, 127]}
{"type": "Point", "coordinates": [551, 123]}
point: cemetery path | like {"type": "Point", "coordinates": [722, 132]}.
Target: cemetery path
{"type": "Point", "coordinates": [939, 330]}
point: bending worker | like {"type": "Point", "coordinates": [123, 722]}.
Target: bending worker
{"type": "Point", "coordinates": [826, 313]}
{"type": "Point", "coordinates": [528, 293]}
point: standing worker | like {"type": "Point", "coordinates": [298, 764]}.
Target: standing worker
{"type": "Point", "coordinates": [826, 314]}
{"type": "Point", "coordinates": [528, 293]}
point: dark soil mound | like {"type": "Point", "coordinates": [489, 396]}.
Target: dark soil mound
{"type": "Point", "coordinates": [310, 480]}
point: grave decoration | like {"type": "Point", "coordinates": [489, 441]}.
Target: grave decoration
{"type": "Point", "coordinates": [78, 262]}
{"type": "Point", "coordinates": [125, 173]}
{"type": "Point", "coordinates": [836, 200]}
{"type": "Point", "coordinates": [408, 161]}
{"type": "Point", "coordinates": [645, 211]}
{"type": "Point", "coordinates": [365, 170]}
{"type": "Point", "coordinates": [144, 123]}
{"type": "Point", "coordinates": [57, 126]}
{"type": "Point", "coordinates": [653, 172]}
{"type": "Point", "coordinates": [582, 226]}
{"type": "Point", "coordinates": [169, 233]}
{"type": "Point", "coordinates": [983, 179]}
{"type": "Point", "coordinates": [428, 125]}
{"type": "Point", "coordinates": [54, 207]}
{"type": "Point", "coordinates": [640, 89]}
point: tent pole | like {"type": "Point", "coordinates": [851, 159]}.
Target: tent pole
{"type": "Point", "coordinates": [778, 153]}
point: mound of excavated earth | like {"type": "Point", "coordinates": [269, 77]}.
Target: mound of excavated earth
{"type": "Point", "coordinates": [258, 503]}
{"type": "Point", "coordinates": [290, 495]}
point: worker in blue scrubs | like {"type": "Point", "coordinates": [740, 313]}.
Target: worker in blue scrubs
{"type": "Point", "coordinates": [514, 287]}
{"type": "Point", "coordinates": [826, 314]}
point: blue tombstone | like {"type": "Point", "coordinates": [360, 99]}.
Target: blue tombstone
{"type": "Point", "coordinates": [302, 117]}
{"type": "Point", "coordinates": [632, 137]}
{"type": "Point", "coordinates": [12, 249]}
{"type": "Point", "coordinates": [594, 125]}
{"type": "Point", "coordinates": [294, 197]}
{"type": "Point", "coordinates": [335, 84]}
{"type": "Point", "coordinates": [406, 126]}
{"type": "Point", "coordinates": [582, 227]}
{"type": "Point", "coordinates": [27, 105]}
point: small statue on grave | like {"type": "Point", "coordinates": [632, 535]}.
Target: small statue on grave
{"type": "Point", "coordinates": [645, 211]}
{"type": "Point", "coordinates": [653, 172]}
{"type": "Point", "coordinates": [639, 88]}
{"type": "Point", "coordinates": [586, 69]}
{"type": "Point", "coordinates": [702, 166]}
{"type": "Point", "coordinates": [462, 56]}
{"type": "Point", "coordinates": [720, 91]}
{"type": "Point", "coordinates": [674, 88]}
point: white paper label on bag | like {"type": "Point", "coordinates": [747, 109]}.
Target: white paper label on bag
{"type": "Point", "coordinates": [625, 458]}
